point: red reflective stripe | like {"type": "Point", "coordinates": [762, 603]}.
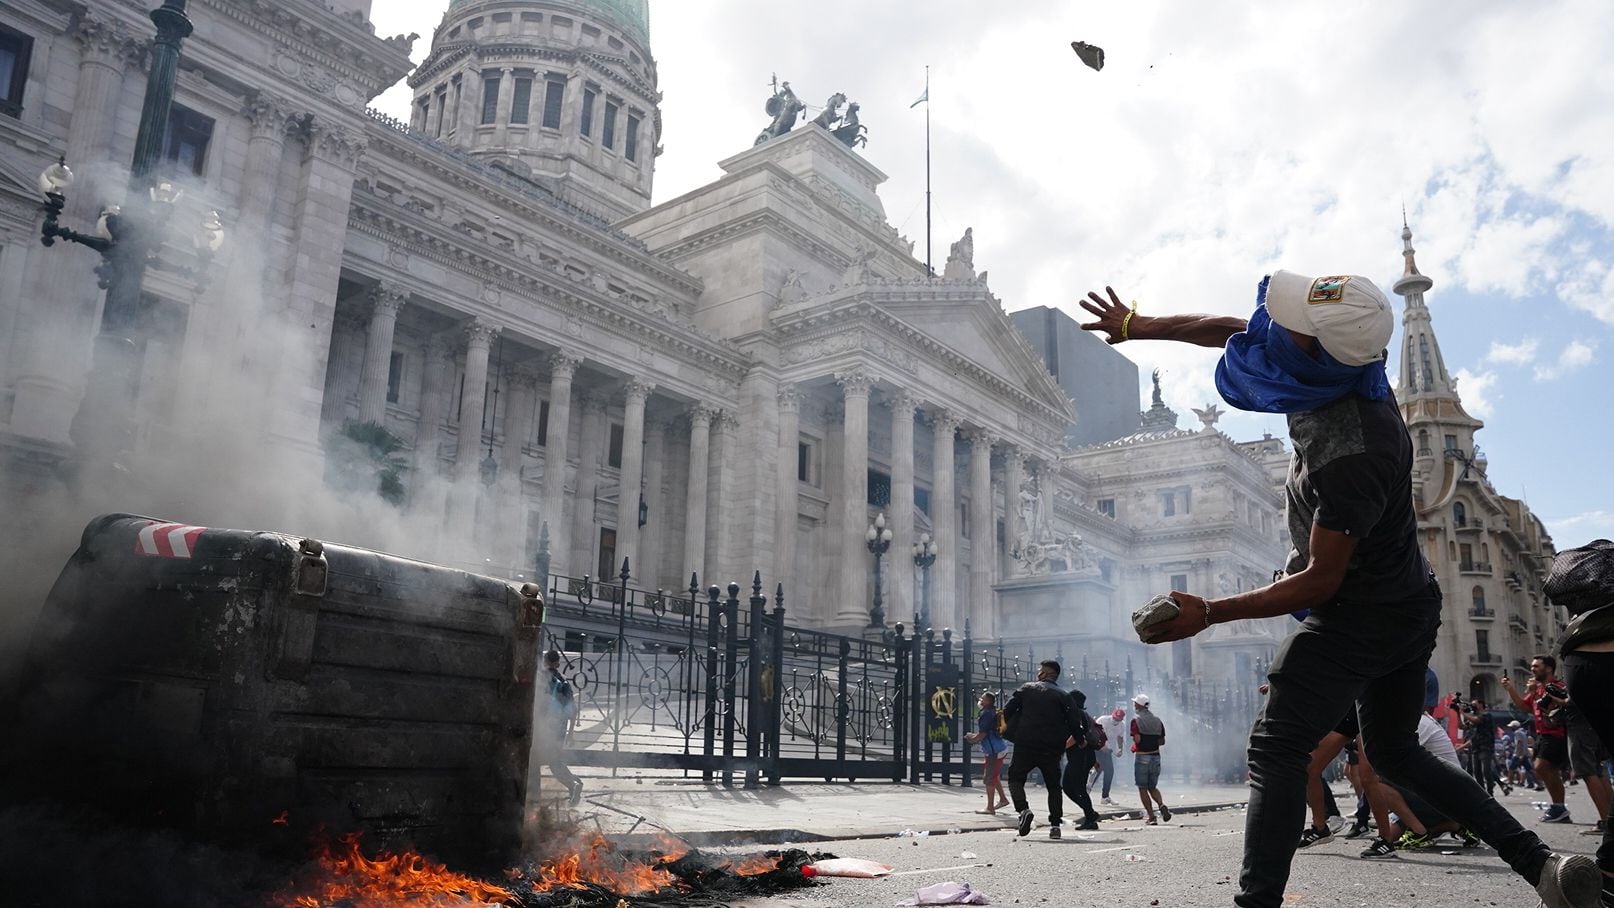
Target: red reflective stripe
{"type": "Point", "coordinates": [167, 540]}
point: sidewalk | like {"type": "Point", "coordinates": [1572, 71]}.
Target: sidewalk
{"type": "Point", "coordinates": [807, 812]}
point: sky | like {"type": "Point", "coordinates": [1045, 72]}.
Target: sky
{"type": "Point", "coordinates": [1221, 141]}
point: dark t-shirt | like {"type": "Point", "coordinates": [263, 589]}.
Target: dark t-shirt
{"type": "Point", "coordinates": [1484, 730]}
{"type": "Point", "coordinates": [1352, 473]}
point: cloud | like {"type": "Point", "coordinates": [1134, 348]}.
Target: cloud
{"type": "Point", "coordinates": [1578, 354]}
{"type": "Point", "coordinates": [1476, 390]}
{"type": "Point", "coordinates": [1579, 529]}
{"type": "Point", "coordinates": [1520, 354]}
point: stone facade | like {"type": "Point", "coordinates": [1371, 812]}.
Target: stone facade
{"type": "Point", "coordinates": [738, 379]}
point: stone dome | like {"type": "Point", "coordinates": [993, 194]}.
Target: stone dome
{"type": "Point", "coordinates": [632, 15]}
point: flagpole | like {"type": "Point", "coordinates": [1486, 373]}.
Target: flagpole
{"type": "Point", "coordinates": [929, 271]}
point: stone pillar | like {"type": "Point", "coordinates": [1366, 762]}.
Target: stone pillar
{"type": "Point", "coordinates": [271, 119]}
{"type": "Point", "coordinates": [853, 607]}
{"type": "Point", "coordinates": [719, 486]}
{"type": "Point", "coordinates": [900, 517]}
{"type": "Point", "coordinates": [562, 368]}
{"type": "Point", "coordinates": [591, 439]}
{"type": "Point", "coordinates": [787, 504]}
{"type": "Point", "coordinates": [386, 300]}
{"type": "Point", "coordinates": [435, 388]}
{"type": "Point", "coordinates": [515, 548]}
{"type": "Point", "coordinates": [1014, 475]}
{"type": "Point", "coordinates": [501, 113]}
{"type": "Point", "coordinates": [473, 397]}
{"type": "Point", "coordinates": [59, 324]}
{"type": "Point", "coordinates": [983, 535]}
{"type": "Point", "coordinates": [627, 502]}
{"type": "Point", "coordinates": [655, 456]}
{"type": "Point", "coordinates": [943, 519]}
{"type": "Point", "coordinates": [700, 451]}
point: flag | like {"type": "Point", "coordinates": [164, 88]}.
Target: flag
{"type": "Point", "coordinates": [923, 99]}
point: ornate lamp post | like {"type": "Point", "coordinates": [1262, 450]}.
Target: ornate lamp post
{"type": "Point", "coordinates": [924, 555]}
{"type": "Point", "coordinates": [128, 242]}
{"type": "Point", "coordinates": [878, 541]}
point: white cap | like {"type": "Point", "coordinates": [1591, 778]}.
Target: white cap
{"type": "Point", "coordinates": [1141, 700]}
{"type": "Point", "coordinates": [1347, 314]}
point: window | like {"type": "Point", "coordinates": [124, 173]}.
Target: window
{"type": "Point", "coordinates": [804, 462]}
{"type": "Point", "coordinates": [1451, 442]}
{"type": "Point", "coordinates": [1169, 503]}
{"type": "Point", "coordinates": [1465, 557]}
{"type": "Point", "coordinates": [587, 124]}
{"type": "Point", "coordinates": [16, 49]}
{"type": "Point", "coordinates": [1179, 583]}
{"type": "Point", "coordinates": [521, 100]}
{"type": "Point", "coordinates": [1423, 441]}
{"type": "Point", "coordinates": [608, 132]}
{"type": "Point", "coordinates": [454, 112]}
{"type": "Point", "coordinates": [1459, 514]}
{"type": "Point", "coordinates": [554, 97]}
{"type": "Point", "coordinates": [1482, 645]}
{"type": "Point", "coordinates": [921, 500]}
{"type": "Point", "coordinates": [185, 145]}
{"type": "Point", "coordinates": [1479, 600]}
{"type": "Point", "coordinates": [631, 140]}
{"type": "Point", "coordinates": [879, 489]}
{"type": "Point", "coordinates": [442, 111]}
{"type": "Point", "coordinates": [1106, 506]}
{"type": "Point", "coordinates": [395, 367]}
{"type": "Point", "coordinates": [543, 423]}
{"type": "Point", "coordinates": [613, 457]}
{"type": "Point", "coordinates": [490, 100]}
{"type": "Point", "coordinates": [608, 565]}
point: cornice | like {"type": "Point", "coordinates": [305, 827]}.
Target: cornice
{"type": "Point", "coordinates": [346, 46]}
{"type": "Point", "coordinates": [414, 235]}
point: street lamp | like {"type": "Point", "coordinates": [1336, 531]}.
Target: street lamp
{"type": "Point", "coordinates": [924, 555]}
{"type": "Point", "coordinates": [128, 242]}
{"type": "Point", "coordinates": [878, 541]}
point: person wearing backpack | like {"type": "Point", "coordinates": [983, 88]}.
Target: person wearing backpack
{"type": "Point", "coordinates": [1079, 760]}
{"type": "Point", "coordinates": [988, 736]}
{"type": "Point", "coordinates": [562, 716]}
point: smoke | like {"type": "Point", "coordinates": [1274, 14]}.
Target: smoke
{"type": "Point", "coordinates": [225, 412]}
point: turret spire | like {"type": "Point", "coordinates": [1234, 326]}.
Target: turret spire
{"type": "Point", "coordinates": [1425, 388]}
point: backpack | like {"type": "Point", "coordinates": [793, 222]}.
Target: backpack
{"type": "Point", "coordinates": [1093, 738]}
{"type": "Point", "coordinates": [561, 692]}
{"type": "Point", "coordinates": [1099, 733]}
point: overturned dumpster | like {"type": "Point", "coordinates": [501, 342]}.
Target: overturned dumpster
{"type": "Point", "coordinates": [251, 686]}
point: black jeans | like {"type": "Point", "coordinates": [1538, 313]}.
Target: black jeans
{"type": "Point", "coordinates": [1021, 763]}
{"type": "Point", "coordinates": [1374, 655]}
{"type": "Point", "coordinates": [1483, 762]}
{"type": "Point", "coordinates": [1078, 766]}
{"type": "Point", "coordinates": [1594, 672]}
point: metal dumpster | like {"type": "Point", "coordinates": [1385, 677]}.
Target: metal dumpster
{"type": "Point", "coordinates": [251, 686]}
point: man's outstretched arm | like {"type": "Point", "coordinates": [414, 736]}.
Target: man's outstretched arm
{"type": "Point", "coordinates": [1121, 324]}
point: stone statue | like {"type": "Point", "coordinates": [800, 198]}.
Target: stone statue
{"type": "Point", "coordinates": [1208, 416]}
{"type": "Point", "coordinates": [858, 271]}
{"type": "Point", "coordinates": [785, 108]}
{"type": "Point", "coordinates": [851, 132]}
{"type": "Point", "coordinates": [792, 291]}
{"type": "Point", "coordinates": [831, 113]}
{"type": "Point", "coordinates": [961, 260]}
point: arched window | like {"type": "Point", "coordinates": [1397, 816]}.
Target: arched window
{"type": "Point", "coordinates": [1459, 514]}
{"type": "Point", "coordinates": [1423, 440]}
{"type": "Point", "coordinates": [1479, 600]}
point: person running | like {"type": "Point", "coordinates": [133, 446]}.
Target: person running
{"type": "Point", "coordinates": [1552, 736]}
{"type": "Point", "coordinates": [1079, 762]}
{"type": "Point", "coordinates": [993, 747]}
{"type": "Point", "coordinates": [562, 716]}
{"type": "Point", "coordinates": [1148, 736]}
{"type": "Point", "coordinates": [1314, 350]}
{"type": "Point", "coordinates": [1112, 723]}
{"type": "Point", "coordinates": [1042, 722]}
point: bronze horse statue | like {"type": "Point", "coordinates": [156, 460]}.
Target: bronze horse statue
{"type": "Point", "coordinates": [785, 108]}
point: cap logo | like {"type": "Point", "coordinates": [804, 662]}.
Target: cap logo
{"type": "Point", "coordinates": [1327, 290]}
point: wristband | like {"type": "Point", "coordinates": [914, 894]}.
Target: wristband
{"type": "Point", "coordinates": [1126, 323]}
{"type": "Point", "coordinates": [1207, 614]}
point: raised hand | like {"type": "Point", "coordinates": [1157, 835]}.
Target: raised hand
{"type": "Point", "coordinates": [1112, 315]}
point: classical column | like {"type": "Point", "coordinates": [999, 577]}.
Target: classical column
{"type": "Point", "coordinates": [517, 550]}
{"type": "Point", "coordinates": [943, 520]}
{"type": "Point", "coordinates": [649, 566]}
{"type": "Point", "coordinates": [1014, 475]}
{"type": "Point", "coordinates": [271, 119]}
{"type": "Point", "coordinates": [435, 389]}
{"type": "Point", "coordinates": [562, 368]}
{"type": "Point", "coordinates": [591, 441]}
{"type": "Point", "coordinates": [632, 473]}
{"type": "Point", "coordinates": [501, 112]}
{"type": "Point", "coordinates": [473, 397]}
{"type": "Point", "coordinates": [854, 604]}
{"type": "Point", "coordinates": [386, 300]}
{"type": "Point", "coordinates": [700, 451]}
{"type": "Point", "coordinates": [983, 535]}
{"type": "Point", "coordinates": [900, 517]}
{"type": "Point", "coordinates": [787, 504]}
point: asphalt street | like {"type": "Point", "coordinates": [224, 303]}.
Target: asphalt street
{"type": "Point", "coordinates": [1192, 861]}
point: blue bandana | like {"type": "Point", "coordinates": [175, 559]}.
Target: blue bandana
{"type": "Point", "coordinates": [1265, 371]}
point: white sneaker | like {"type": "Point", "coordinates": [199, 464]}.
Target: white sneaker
{"type": "Point", "coordinates": [1570, 881]}
{"type": "Point", "coordinates": [1109, 802]}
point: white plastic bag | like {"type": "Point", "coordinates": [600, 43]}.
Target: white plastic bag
{"type": "Point", "coordinates": [948, 893]}
{"type": "Point", "coordinates": [853, 867]}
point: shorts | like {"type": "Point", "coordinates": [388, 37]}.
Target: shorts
{"type": "Point", "coordinates": [1586, 750]}
{"type": "Point", "coordinates": [1554, 750]}
{"type": "Point", "coordinates": [1147, 769]}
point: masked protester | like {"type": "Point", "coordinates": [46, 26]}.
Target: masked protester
{"type": "Point", "coordinates": [1314, 350]}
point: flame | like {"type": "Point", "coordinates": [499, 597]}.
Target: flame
{"type": "Point", "coordinates": [405, 880]}
{"type": "Point", "coordinates": [753, 866]}
{"type": "Point", "coordinates": [599, 865]}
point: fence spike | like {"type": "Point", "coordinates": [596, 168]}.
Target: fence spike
{"type": "Point", "coordinates": [756, 585]}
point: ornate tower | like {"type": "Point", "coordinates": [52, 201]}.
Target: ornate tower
{"type": "Point", "coordinates": [560, 91]}
{"type": "Point", "coordinates": [1427, 392]}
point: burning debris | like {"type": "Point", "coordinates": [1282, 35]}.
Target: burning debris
{"type": "Point", "coordinates": [597, 875]}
